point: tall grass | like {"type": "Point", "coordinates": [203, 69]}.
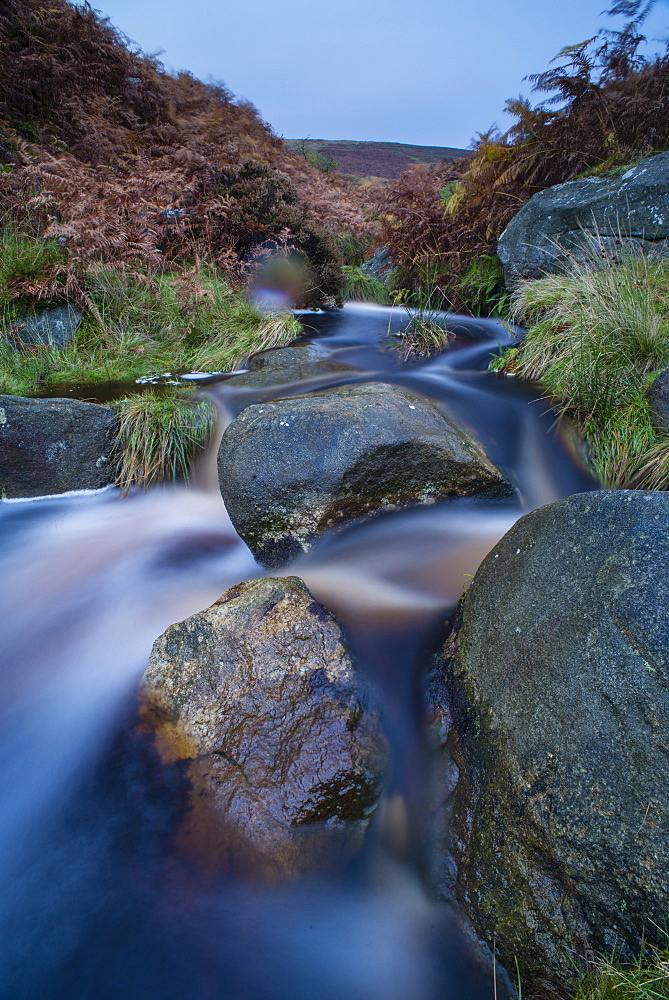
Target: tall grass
{"type": "Point", "coordinates": [361, 286]}
{"type": "Point", "coordinates": [159, 436]}
{"type": "Point", "coordinates": [645, 979]}
{"type": "Point", "coordinates": [597, 337]}
{"type": "Point", "coordinates": [137, 327]}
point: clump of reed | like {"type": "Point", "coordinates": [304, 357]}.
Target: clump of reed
{"type": "Point", "coordinates": [598, 335]}
{"type": "Point", "coordinates": [160, 436]}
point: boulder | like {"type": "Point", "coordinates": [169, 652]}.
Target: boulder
{"type": "Point", "coordinates": [50, 328]}
{"type": "Point", "coordinates": [54, 445]}
{"type": "Point", "coordinates": [658, 396]}
{"type": "Point", "coordinates": [288, 364]}
{"type": "Point", "coordinates": [292, 469]}
{"type": "Point", "coordinates": [560, 696]}
{"type": "Point", "coordinates": [380, 266]}
{"type": "Point", "coordinates": [595, 216]}
{"type": "Point", "coordinates": [258, 694]}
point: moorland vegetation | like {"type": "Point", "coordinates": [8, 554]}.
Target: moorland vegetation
{"type": "Point", "coordinates": [142, 197]}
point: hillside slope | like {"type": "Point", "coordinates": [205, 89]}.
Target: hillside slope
{"type": "Point", "coordinates": [102, 148]}
{"type": "Point", "coordinates": [387, 160]}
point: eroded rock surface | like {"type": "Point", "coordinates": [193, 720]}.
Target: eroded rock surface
{"type": "Point", "coordinates": [560, 693]}
{"type": "Point", "coordinates": [54, 445]}
{"type": "Point", "coordinates": [259, 694]}
{"type": "Point", "coordinates": [621, 214]}
{"type": "Point", "coordinates": [293, 469]}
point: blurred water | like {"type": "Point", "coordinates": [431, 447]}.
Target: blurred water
{"type": "Point", "coordinates": [96, 899]}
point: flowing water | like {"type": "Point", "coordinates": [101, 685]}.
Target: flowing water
{"type": "Point", "coordinates": [96, 899]}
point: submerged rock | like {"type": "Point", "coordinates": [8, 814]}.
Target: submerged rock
{"type": "Point", "coordinates": [54, 445]}
{"type": "Point", "coordinates": [560, 692]}
{"type": "Point", "coordinates": [288, 364]}
{"type": "Point", "coordinates": [292, 469]}
{"type": "Point", "coordinates": [610, 216]}
{"type": "Point", "coordinates": [259, 695]}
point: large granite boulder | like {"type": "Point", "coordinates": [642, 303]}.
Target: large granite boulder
{"type": "Point", "coordinates": [54, 445]}
{"type": "Point", "coordinates": [560, 695]}
{"type": "Point", "coordinates": [292, 469]}
{"type": "Point", "coordinates": [258, 694]}
{"type": "Point", "coordinates": [595, 216]}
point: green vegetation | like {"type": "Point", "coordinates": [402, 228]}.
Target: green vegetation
{"type": "Point", "coordinates": [423, 338]}
{"type": "Point", "coordinates": [28, 263]}
{"type": "Point", "coordinates": [361, 286]}
{"type": "Point", "coordinates": [352, 247]}
{"type": "Point", "coordinates": [597, 337]}
{"type": "Point", "coordinates": [136, 326]}
{"type": "Point", "coordinates": [645, 979]}
{"type": "Point", "coordinates": [481, 289]}
{"type": "Point", "coordinates": [160, 435]}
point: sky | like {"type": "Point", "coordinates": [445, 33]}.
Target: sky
{"type": "Point", "coordinates": [430, 72]}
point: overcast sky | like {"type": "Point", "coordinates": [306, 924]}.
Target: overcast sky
{"type": "Point", "coordinates": [432, 72]}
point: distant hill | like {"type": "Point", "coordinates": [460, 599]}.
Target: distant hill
{"type": "Point", "coordinates": [373, 159]}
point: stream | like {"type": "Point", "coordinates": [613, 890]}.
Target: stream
{"type": "Point", "coordinates": [96, 897]}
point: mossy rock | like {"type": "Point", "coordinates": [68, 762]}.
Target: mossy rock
{"type": "Point", "coordinates": [293, 469]}
{"type": "Point", "coordinates": [560, 691]}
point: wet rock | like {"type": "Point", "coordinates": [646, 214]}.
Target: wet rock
{"type": "Point", "coordinates": [51, 327]}
{"type": "Point", "coordinates": [259, 694]}
{"type": "Point", "coordinates": [292, 469]}
{"type": "Point", "coordinates": [604, 216]}
{"type": "Point", "coordinates": [289, 364]}
{"type": "Point", "coordinates": [658, 395]}
{"type": "Point", "coordinates": [54, 445]}
{"type": "Point", "coordinates": [560, 693]}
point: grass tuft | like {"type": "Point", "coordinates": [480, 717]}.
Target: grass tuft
{"type": "Point", "coordinates": [360, 286]}
{"type": "Point", "coordinates": [645, 979]}
{"type": "Point", "coordinates": [160, 435]}
{"type": "Point", "coordinates": [597, 337]}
